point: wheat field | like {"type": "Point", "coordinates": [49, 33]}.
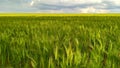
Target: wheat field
{"type": "Point", "coordinates": [59, 41]}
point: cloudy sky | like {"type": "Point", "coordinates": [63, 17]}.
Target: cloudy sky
{"type": "Point", "coordinates": [60, 6]}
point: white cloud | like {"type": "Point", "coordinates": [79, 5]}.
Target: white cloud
{"type": "Point", "coordinates": [67, 6]}
{"type": "Point", "coordinates": [93, 10]}
{"type": "Point", "coordinates": [32, 3]}
{"type": "Point", "coordinates": [76, 10]}
{"type": "Point", "coordinates": [116, 2]}
{"type": "Point", "coordinates": [103, 11]}
{"type": "Point", "coordinates": [66, 2]}
{"type": "Point", "coordinates": [88, 10]}
{"type": "Point", "coordinates": [82, 6]}
{"type": "Point", "coordinates": [81, 1]}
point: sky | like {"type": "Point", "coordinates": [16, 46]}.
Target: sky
{"type": "Point", "coordinates": [60, 6]}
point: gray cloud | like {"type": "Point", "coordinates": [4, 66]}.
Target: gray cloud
{"type": "Point", "coordinates": [104, 5]}
{"type": "Point", "coordinates": [111, 5]}
{"type": "Point", "coordinates": [68, 6]}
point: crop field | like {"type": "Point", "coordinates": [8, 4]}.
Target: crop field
{"type": "Point", "coordinates": [59, 41]}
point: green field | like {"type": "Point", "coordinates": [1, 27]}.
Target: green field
{"type": "Point", "coordinates": [59, 41]}
{"type": "Point", "coordinates": [58, 14]}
